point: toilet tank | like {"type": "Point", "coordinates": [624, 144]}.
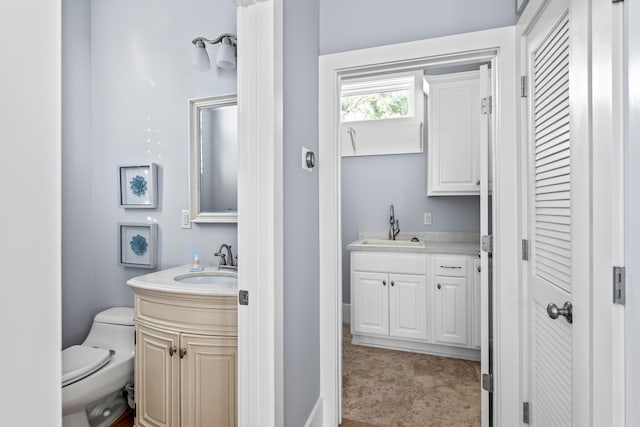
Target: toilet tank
{"type": "Point", "coordinates": [112, 329]}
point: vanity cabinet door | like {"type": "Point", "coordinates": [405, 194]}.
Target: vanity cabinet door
{"type": "Point", "coordinates": [208, 382]}
{"type": "Point", "coordinates": [408, 306]}
{"type": "Point", "coordinates": [450, 310]}
{"type": "Point", "coordinates": [157, 370]}
{"type": "Point", "coordinates": [370, 303]}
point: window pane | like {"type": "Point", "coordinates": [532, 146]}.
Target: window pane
{"type": "Point", "coordinates": [375, 106]}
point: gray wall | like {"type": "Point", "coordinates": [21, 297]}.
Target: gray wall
{"type": "Point", "coordinates": [140, 81]}
{"type": "Point", "coordinates": [632, 207]}
{"type": "Point", "coordinates": [301, 270]}
{"type": "Point", "coordinates": [78, 303]}
{"type": "Point", "coordinates": [371, 183]}
{"type": "Point", "coordinates": [356, 24]}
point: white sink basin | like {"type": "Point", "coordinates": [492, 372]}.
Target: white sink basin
{"type": "Point", "coordinates": [393, 243]}
{"type": "Point", "coordinates": [206, 278]}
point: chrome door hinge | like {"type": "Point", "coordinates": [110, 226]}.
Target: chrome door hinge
{"type": "Point", "coordinates": [487, 382]}
{"type": "Point", "coordinates": [619, 284]}
{"type": "Point", "coordinates": [485, 105]}
{"type": "Point", "coordinates": [525, 412]}
{"type": "Point", "coordinates": [525, 250]}
{"type": "Point", "coordinates": [486, 243]}
{"type": "Point", "coordinates": [523, 86]}
{"type": "Point", "coordinates": [243, 297]}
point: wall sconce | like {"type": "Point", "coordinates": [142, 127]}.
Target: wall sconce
{"type": "Point", "coordinates": [225, 58]}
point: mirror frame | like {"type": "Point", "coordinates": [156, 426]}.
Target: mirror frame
{"type": "Point", "coordinates": [195, 105]}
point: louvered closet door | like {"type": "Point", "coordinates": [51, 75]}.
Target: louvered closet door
{"type": "Point", "coordinates": [550, 216]}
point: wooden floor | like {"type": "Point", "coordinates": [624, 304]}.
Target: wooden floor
{"type": "Point", "coordinates": [125, 420]}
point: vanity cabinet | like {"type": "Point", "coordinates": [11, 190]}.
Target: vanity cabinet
{"type": "Point", "coordinates": [453, 134]}
{"type": "Point", "coordinates": [418, 302]}
{"type": "Point", "coordinates": [451, 304]}
{"type": "Point", "coordinates": [186, 360]}
{"type": "Point", "coordinates": [390, 304]}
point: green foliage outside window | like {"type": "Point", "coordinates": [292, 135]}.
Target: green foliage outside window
{"type": "Point", "coordinates": [375, 106]}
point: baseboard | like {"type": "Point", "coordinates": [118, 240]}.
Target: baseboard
{"type": "Point", "coordinates": [346, 314]}
{"type": "Point", "coordinates": [315, 418]}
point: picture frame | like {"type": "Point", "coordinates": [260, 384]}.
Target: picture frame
{"type": "Point", "coordinates": [520, 5]}
{"type": "Point", "coordinates": [137, 245]}
{"type": "Point", "coordinates": [138, 186]}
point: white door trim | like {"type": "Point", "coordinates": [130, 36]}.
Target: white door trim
{"type": "Point", "coordinates": [506, 218]}
{"type": "Point", "coordinates": [260, 225]}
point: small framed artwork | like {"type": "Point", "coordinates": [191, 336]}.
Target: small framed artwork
{"type": "Point", "coordinates": [520, 5]}
{"type": "Point", "coordinates": [137, 186]}
{"type": "Point", "coordinates": [138, 245]}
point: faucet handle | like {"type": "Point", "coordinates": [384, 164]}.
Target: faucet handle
{"type": "Point", "coordinates": [223, 258]}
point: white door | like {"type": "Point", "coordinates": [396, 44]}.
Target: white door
{"type": "Point", "coordinates": [408, 306]}
{"type": "Point", "coordinates": [370, 303]}
{"type": "Point", "coordinates": [450, 309]}
{"type": "Point", "coordinates": [550, 217]}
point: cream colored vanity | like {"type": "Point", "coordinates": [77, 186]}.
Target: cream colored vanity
{"type": "Point", "coordinates": [186, 348]}
{"type": "Point", "coordinates": [416, 297]}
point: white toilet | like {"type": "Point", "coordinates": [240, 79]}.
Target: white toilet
{"type": "Point", "coordinates": [95, 372]}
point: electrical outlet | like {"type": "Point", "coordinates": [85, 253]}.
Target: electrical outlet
{"type": "Point", "coordinates": [185, 219]}
{"type": "Point", "coordinates": [427, 218]}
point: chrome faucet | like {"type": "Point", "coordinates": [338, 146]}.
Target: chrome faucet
{"type": "Point", "coordinates": [394, 224]}
{"type": "Point", "coordinates": [232, 264]}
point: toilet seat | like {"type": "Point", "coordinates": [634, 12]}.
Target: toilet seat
{"type": "Point", "coordinates": [80, 361]}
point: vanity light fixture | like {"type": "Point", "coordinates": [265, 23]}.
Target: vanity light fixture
{"type": "Point", "coordinates": [225, 58]}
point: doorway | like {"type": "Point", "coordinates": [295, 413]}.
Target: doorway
{"type": "Point", "coordinates": [493, 46]}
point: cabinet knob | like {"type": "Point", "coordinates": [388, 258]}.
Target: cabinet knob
{"type": "Point", "coordinates": [392, 283]}
{"type": "Point", "coordinates": [172, 350]}
{"type": "Point", "coordinates": [183, 352]}
{"type": "Point", "coordinates": [439, 286]}
{"type": "Point", "coordinates": [478, 182]}
{"type": "Point", "coordinates": [384, 283]}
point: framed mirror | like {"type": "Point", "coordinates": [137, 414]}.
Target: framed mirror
{"type": "Point", "coordinates": [213, 159]}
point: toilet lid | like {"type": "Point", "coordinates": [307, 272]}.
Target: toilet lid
{"type": "Point", "coordinates": [80, 361]}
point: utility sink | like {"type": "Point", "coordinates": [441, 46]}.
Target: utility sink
{"type": "Point", "coordinates": [208, 278]}
{"type": "Point", "coordinates": [380, 243]}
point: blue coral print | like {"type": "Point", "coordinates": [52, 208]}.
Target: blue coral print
{"type": "Point", "coordinates": [138, 185]}
{"type": "Point", "coordinates": [138, 244]}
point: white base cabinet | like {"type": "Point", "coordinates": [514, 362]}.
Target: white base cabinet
{"type": "Point", "coordinates": [186, 360]}
{"type": "Point", "coordinates": [415, 302]}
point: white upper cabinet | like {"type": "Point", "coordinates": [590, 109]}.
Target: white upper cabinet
{"type": "Point", "coordinates": [454, 102]}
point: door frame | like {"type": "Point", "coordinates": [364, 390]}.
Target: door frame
{"type": "Point", "coordinates": [598, 374]}
{"type": "Point", "coordinates": [506, 215]}
{"type": "Point", "coordinates": [260, 213]}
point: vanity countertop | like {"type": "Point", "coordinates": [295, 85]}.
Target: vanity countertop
{"type": "Point", "coordinates": [432, 243]}
{"type": "Point", "coordinates": [165, 281]}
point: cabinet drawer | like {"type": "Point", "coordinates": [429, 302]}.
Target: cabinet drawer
{"type": "Point", "coordinates": [389, 262]}
{"type": "Point", "coordinates": [204, 315]}
{"type": "Point", "coordinates": [453, 266]}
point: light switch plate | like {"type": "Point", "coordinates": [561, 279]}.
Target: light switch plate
{"type": "Point", "coordinates": [185, 219]}
{"type": "Point", "coordinates": [427, 218]}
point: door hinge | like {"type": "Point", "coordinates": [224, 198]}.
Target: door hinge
{"type": "Point", "coordinates": [135, 337]}
{"type": "Point", "coordinates": [485, 105]}
{"type": "Point", "coordinates": [523, 86]}
{"type": "Point", "coordinates": [487, 382]}
{"type": "Point", "coordinates": [619, 285]}
{"type": "Point", "coordinates": [243, 297]}
{"type": "Point", "coordinates": [525, 250]}
{"type": "Point", "coordinates": [525, 412]}
{"type": "Point", "coordinates": [486, 243]}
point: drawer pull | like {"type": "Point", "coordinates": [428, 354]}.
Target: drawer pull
{"type": "Point", "coordinates": [449, 266]}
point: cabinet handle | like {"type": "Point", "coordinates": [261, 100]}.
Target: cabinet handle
{"type": "Point", "coordinates": [384, 283]}
{"type": "Point", "coordinates": [450, 267]}
{"type": "Point", "coordinates": [439, 286]}
{"type": "Point", "coordinates": [479, 268]}
{"type": "Point", "coordinates": [172, 350]}
{"type": "Point", "coordinates": [392, 283]}
{"type": "Point", "coordinates": [183, 352]}
{"type": "Point", "coordinates": [478, 182]}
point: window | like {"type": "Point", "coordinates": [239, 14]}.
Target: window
{"type": "Point", "coordinates": [382, 114]}
{"type": "Point", "coordinates": [377, 99]}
